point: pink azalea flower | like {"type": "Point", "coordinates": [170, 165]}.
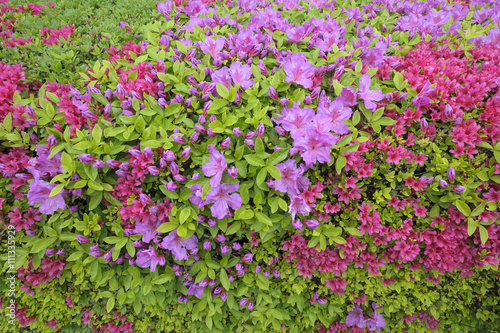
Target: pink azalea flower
{"type": "Point", "coordinates": [316, 148]}
{"type": "Point", "coordinates": [221, 199]}
{"type": "Point", "coordinates": [300, 71]}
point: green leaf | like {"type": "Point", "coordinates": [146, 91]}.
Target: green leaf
{"type": "Point", "coordinates": [67, 163]}
{"type": "Point", "coordinates": [42, 244]}
{"type": "Point", "coordinates": [463, 207]}
{"type": "Point", "coordinates": [479, 209]}
{"type": "Point", "coordinates": [95, 185]}
{"type": "Point", "coordinates": [340, 163]}
{"type": "Point", "coordinates": [162, 279]}
{"type": "Point", "coordinates": [497, 156]}
{"type": "Point", "coordinates": [111, 304]}
{"type": "Point", "coordinates": [7, 122]}
{"type": "Point", "coordinates": [274, 172]}
{"type": "Point", "coordinates": [278, 156]}
{"type": "Point", "coordinates": [246, 214]}
{"type": "Point", "coordinates": [74, 256]}
{"type": "Point", "coordinates": [483, 233]}
{"type": "Point", "coordinates": [56, 190]}
{"type": "Point", "coordinates": [222, 91]}
{"type": "Point", "coordinates": [235, 227]}
{"type": "Point", "coordinates": [167, 227]}
{"type": "Point", "coordinates": [339, 240]}
{"type": "Point", "coordinates": [471, 226]}
{"type": "Point", "coordinates": [97, 133]}
{"type": "Point", "coordinates": [261, 176]}
{"type": "Point", "coordinates": [385, 121]}
{"type": "Point", "coordinates": [217, 104]}
{"type": "Point", "coordinates": [224, 279]}
{"type": "Point", "coordinates": [95, 201]}
{"type": "Point", "coordinates": [255, 160]}
{"type": "Point", "coordinates": [140, 124]}
{"type": "Point", "coordinates": [185, 213]}
{"type": "Point", "coordinates": [353, 231]}
{"type": "Point", "coordinates": [398, 80]}
{"type": "Point", "coordinates": [263, 218]}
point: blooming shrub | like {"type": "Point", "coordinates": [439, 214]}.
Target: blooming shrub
{"type": "Point", "coordinates": [287, 166]}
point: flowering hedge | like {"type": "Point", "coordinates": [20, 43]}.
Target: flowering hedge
{"type": "Point", "coordinates": [217, 167]}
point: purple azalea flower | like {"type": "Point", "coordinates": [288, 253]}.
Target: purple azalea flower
{"type": "Point", "coordinates": [298, 206]}
{"type": "Point", "coordinates": [241, 74]}
{"type": "Point", "coordinates": [149, 258]}
{"type": "Point", "coordinates": [292, 181]}
{"type": "Point", "coordinates": [212, 46]}
{"type": "Point", "coordinates": [222, 76]}
{"type": "Point", "coordinates": [336, 112]}
{"type": "Point", "coordinates": [355, 317]}
{"type": "Point", "coordinates": [369, 95]}
{"type": "Point", "coordinates": [423, 98]}
{"type": "Point", "coordinates": [148, 230]}
{"type": "Point", "coordinates": [299, 70]}
{"type": "Point", "coordinates": [82, 239]}
{"type": "Point", "coordinates": [196, 289]}
{"type": "Point", "coordinates": [195, 198]}
{"type": "Point", "coordinates": [178, 246]}
{"type": "Point", "coordinates": [39, 193]}
{"type": "Point", "coordinates": [51, 166]}
{"type": "Point", "coordinates": [215, 167]}
{"type": "Point", "coordinates": [296, 120]}
{"type": "Point", "coordinates": [221, 199]}
{"type": "Point", "coordinates": [315, 147]}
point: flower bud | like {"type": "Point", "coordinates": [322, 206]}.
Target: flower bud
{"type": "Point", "coordinates": [272, 93]}
{"type": "Point", "coordinates": [212, 223]}
{"type": "Point", "coordinates": [226, 143]}
{"type": "Point", "coordinates": [284, 102]}
{"type": "Point", "coordinates": [154, 171]}
{"type": "Point", "coordinates": [30, 112]}
{"type": "Point", "coordinates": [459, 189]}
{"type": "Point", "coordinates": [224, 249]}
{"type": "Point", "coordinates": [223, 295]}
{"type": "Point", "coordinates": [194, 137]}
{"type": "Point", "coordinates": [247, 257]}
{"type": "Point", "coordinates": [249, 143]}
{"type": "Point", "coordinates": [52, 141]}
{"type": "Point", "coordinates": [82, 239]}
{"type": "Point", "coordinates": [297, 225]}
{"type": "Point", "coordinates": [448, 112]}
{"type": "Point", "coordinates": [236, 246]}
{"type": "Point", "coordinates": [250, 135]}
{"type": "Point", "coordinates": [451, 174]}
{"type": "Point", "coordinates": [315, 93]}
{"type": "Point", "coordinates": [307, 100]}
{"type": "Point", "coordinates": [262, 67]}
{"type": "Point", "coordinates": [243, 301]}
{"type": "Point", "coordinates": [98, 164]}
{"type": "Point", "coordinates": [186, 152]}
{"type": "Point", "coordinates": [220, 238]}
{"type": "Point", "coordinates": [169, 156]}
{"type": "Point", "coordinates": [237, 98]}
{"type": "Point", "coordinates": [423, 125]}
{"type": "Point", "coordinates": [205, 107]}
{"type": "Point", "coordinates": [280, 130]}
{"type": "Point", "coordinates": [260, 130]}
{"type": "Point", "coordinates": [313, 224]}
{"type": "Point", "coordinates": [443, 183]}
{"type": "Point", "coordinates": [180, 178]}
{"type": "Point", "coordinates": [207, 245]}
{"type": "Point", "coordinates": [237, 132]}
{"type": "Point", "coordinates": [174, 168]}
{"type": "Point", "coordinates": [178, 139]}
{"type": "Point", "coordinates": [233, 172]}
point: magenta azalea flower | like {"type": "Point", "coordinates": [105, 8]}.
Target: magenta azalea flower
{"type": "Point", "coordinates": [221, 199]}
{"type": "Point", "coordinates": [39, 193]}
{"type": "Point", "coordinates": [300, 71]}
{"type": "Point", "coordinates": [241, 74]}
{"type": "Point", "coordinates": [369, 95]}
{"type": "Point", "coordinates": [215, 167]}
{"type": "Point", "coordinates": [178, 246]}
{"type": "Point", "coordinates": [149, 258]}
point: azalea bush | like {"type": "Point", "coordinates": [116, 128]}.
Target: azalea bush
{"type": "Point", "coordinates": [250, 166]}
